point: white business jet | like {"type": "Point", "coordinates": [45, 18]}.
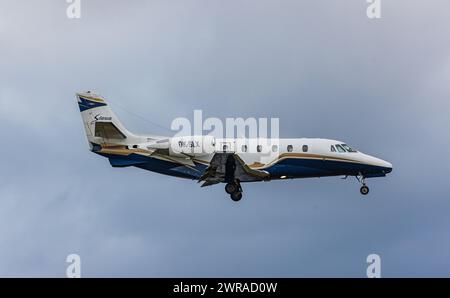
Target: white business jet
{"type": "Point", "coordinates": [231, 161]}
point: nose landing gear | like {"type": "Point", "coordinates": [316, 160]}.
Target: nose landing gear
{"type": "Point", "coordinates": [364, 190]}
{"type": "Point", "coordinates": [234, 189]}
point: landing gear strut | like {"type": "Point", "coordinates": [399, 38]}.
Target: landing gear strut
{"type": "Point", "coordinates": [234, 189]}
{"type": "Point", "coordinates": [364, 190]}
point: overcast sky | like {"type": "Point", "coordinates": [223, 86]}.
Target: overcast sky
{"type": "Point", "coordinates": [322, 67]}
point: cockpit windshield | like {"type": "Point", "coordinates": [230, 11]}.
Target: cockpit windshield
{"type": "Point", "coordinates": [348, 148]}
{"type": "Point", "coordinates": [340, 149]}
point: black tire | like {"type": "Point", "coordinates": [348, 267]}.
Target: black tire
{"type": "Point", "coordinates": [364, 190]}
{"type": "Point", "coordinates": [237, 196]}
{"type": "Point", "coordinates": [231, 188]}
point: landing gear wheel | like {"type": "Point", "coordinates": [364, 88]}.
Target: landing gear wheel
{"type": "Point", "coordinates": [236, 196]}
{"type": "Point", "coordinates": [231, 188]}
{"type": "Point", "coordinates": [364, 190]}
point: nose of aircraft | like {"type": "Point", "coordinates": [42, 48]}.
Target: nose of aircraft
{"type": "Point", "coordinates": [385, 165]}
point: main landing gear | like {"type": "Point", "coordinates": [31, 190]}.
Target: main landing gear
{"type": "Point", "coordinates": [364, 190]}
{"type": "Point", "coordinates": [234, 189]}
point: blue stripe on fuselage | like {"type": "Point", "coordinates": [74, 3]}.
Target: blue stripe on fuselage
{"type": "Point", "coordinates": [291, 167]}
{"type": "Point", "coordinates": [306, 167]}
{"type": "Point", "coordinates": [156, 165]}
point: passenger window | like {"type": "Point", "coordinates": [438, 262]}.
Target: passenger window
{"type": "Point", "coordinates": [340, 149]}
{"type": "Point", "coordinates": [333, 149]}
{"type": "Point", "coordinates": [290, 148]}
{"type": "Point", "coordinates": [305, 148]}
{"type": "Point", "coordinates": [274, 148]}
{"type": "Point", "coordinates": [259, 148]}
{"type": "Point", "coordinates": [244, 148]}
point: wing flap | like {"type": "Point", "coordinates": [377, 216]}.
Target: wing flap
{"type": "Point", "coordinates": [229, 166]}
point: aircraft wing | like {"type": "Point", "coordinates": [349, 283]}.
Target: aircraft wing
{"type": "Point", "coordinates": [226, 166]}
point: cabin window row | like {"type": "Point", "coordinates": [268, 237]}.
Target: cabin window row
{"type": "Point", "coordinates": [289, 148]}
